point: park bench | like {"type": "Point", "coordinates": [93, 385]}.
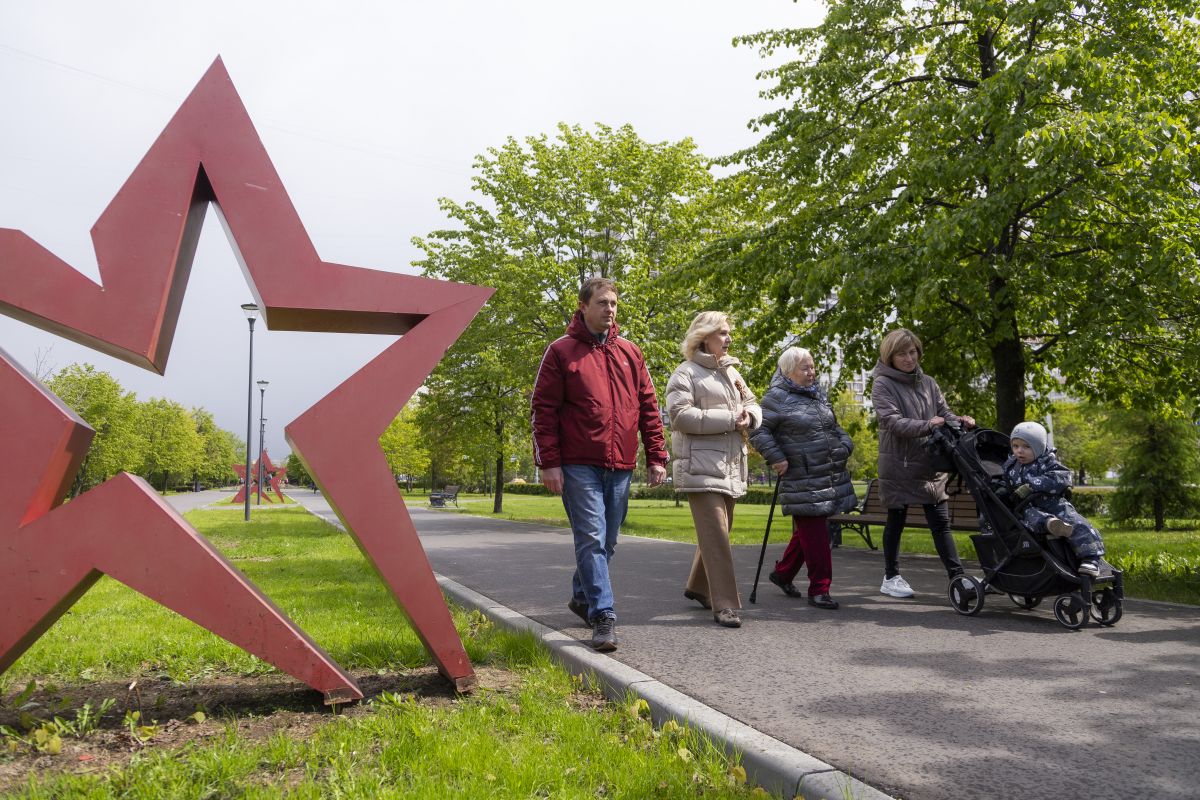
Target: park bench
{"type": "Point", "coordinates": [964, 516]}
{"type": "Point", "coordinates": [448, 494]}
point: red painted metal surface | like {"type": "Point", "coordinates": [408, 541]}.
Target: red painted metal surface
{"type": "Point", "coordinates": [145, 241]}
{"type": "Point", "coordinates": [273, 474]}
{"type": "Point", "coordinates": [53, 553]}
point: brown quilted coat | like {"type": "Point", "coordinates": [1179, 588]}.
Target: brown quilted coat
{"type": "Point", "coordinates": [904, 403]}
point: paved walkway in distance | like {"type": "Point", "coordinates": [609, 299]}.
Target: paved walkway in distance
{"type": "Point", "coordinates": [904, 694]}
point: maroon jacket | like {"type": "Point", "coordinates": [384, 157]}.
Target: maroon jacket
{"type": "Point", "coordinates": [591, 399]}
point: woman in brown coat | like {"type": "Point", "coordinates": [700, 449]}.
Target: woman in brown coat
{"type": "Point", "coordinates": [909, 405]}
{"type": "Point", "coordinates": [711, 411]}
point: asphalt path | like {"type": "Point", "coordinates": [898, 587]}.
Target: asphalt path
{"type": "Point", "coordinates": [906, 695]}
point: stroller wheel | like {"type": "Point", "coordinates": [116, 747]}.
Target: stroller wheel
{"type": "Point", "coordinates": [1070, 610]}
{"type": "Point", "coordinates": [1026, 601]}
{"type": "Point", "coordinates": [1106, 607]}
{"type": "Point", "coordinates": [966, 595]}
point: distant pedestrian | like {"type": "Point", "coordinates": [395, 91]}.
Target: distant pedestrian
{"type": "Point", "coordinates": [909, 404]}
{"type": "Point", "coordinates": [801, 439]}
{"type": "Point", "coordinates": [592, 397]}
{"type": "Point", "coordinates": [711, 409]}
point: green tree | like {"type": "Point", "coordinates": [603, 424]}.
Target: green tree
{"type": "Point", "coordinates": [172, 445]}
{"type": "Point", "coordinates": [1014, 180]}
{"type": "Point", "coordinates": [855, 420]}
{"type": "Point", "coordinates": [550, 213]}
{"type": "Point", "coordinates": [404, 445]}
{"type": "Point", "coordinates": [1160, 470]}
{"type": "Point", "coordinates": [1088, 438]}
{"type": "Point", "coordinates": [219, 451]}
{"type": "Point", "coordinates": [297, 473]}
{"type": "Point", "coordinates": [98, 398]}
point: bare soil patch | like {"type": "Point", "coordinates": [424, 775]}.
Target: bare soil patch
{"type": "Point", "coordinates": [259, 707]}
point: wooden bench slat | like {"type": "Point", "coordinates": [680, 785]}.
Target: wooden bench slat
{"type": "Point", "coordinates": [964, 516]}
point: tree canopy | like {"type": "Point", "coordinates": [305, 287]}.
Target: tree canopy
{"type": "Point", "coordinates": [98, 398]}
{"type": "Point", "coordinates": [1016, 181]}
{"type": "Point", "coordinates": [548, 214]}
{"type": "Point", "coordinates": [158, 439]}
{"type": "Point", "coordinates": [404, 446]}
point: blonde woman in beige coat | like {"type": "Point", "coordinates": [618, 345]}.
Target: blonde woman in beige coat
{"type": "Point", "coordinates": [711, 411]}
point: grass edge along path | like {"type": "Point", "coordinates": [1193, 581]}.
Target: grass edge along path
{"type": "Point", "coordinates": [542, 733]}
{"type": "Point", "coordinates": [1158, 565]}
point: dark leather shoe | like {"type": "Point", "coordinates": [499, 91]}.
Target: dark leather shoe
{"type": "Point", "coordinates": [788, 587]}
{"type": "Point", "coordinates": [728, 618]}
{"type": "Point", "coordinates": [580, 610]}
{"type": "Point", "coordinates": [823, 601]}
{"type": "Point", "coordinates": [699, 598]}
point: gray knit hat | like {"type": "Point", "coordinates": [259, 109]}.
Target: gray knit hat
{"type": "Point", "coordinates": [1032, 434]}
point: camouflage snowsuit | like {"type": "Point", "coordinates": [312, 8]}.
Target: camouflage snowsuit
{"type": "Point", "coordinates": [1050, 480]}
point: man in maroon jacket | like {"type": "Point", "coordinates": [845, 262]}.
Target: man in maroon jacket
{"type": "Point", "coordinates": [592, 396]}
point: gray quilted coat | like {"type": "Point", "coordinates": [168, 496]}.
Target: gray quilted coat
{"type": "Point", "coordinates": [904, 403]}
{"type": "Point", "coordinates": [799, 427]}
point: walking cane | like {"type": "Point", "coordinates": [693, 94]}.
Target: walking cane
{"type": "Point", "coordinates": [762, 553]}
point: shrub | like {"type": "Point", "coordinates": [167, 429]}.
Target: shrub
{"type": "Point", "coordinates": [1159, 567]}
{"type": "Point", "coordinates": [1091, 502]}
{"type": "Point", "coordinates": [526, 488]}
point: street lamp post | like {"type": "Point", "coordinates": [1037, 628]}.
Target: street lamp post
{"type": "Point", "coordinates": [251, 312]}
{"type": "Point", "coordinates": [262, 429]}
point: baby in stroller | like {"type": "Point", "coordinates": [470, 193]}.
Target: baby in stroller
{"type": "Point", "coordinates": [1035, 473]}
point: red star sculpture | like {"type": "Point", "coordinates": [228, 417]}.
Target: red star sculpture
{"type": "Point", "coordinates": [209, 152]}
{"type": "Point", "coordinates": [271, 474]}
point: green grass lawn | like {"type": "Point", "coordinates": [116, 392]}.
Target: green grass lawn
{"type": "Point", "coordinates": [1159, 565]}
{"type": "Point", "coordinates": [536, 732]}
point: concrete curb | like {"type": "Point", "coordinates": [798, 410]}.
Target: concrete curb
{"type": "Point", "coordinates": [777, 767]}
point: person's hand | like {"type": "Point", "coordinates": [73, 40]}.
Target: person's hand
{"type": "Point", "coordinates": [552, 479]}
{"type": "Point", "coordinates": [743, 421]}
{"type": "Point", "coordinates": [968, 421]}
{"type": "Point", "coordinates": [937, 422]}
{"type": "Point", "coordinates": [1023, 491]}
{"type": "Point", "coordinates": [780, 467]}
{"type": "Point", "coordinates": [658, 474]}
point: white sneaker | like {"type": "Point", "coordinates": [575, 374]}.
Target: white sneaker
{"type": "Point", "coordinates": [896, 587]}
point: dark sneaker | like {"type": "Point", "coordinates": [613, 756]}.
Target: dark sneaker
{"type": "Point", "coordinates": [604, 635]}
{"type": "Point", "coordinates": [823, 601]}
{"type": "Point", "coordinates": [1089, 566]}
{"type": "Point", "coordinates": [580, 610]}
{"type": "Point", "coordinates": [788, 587]}
{"type": "Point", "coordinates": [699, 598]}
{"type": "Point", "coordinates": [728, 618]}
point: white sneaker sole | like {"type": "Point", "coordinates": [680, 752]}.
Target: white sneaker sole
{"type": "Point", "coordinates": [896, 593]}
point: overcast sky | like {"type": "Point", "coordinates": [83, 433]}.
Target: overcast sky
{"type": "Point", "coordinates": [370, 111]}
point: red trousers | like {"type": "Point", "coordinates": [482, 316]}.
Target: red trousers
{"type": "Point", "coordinates": [809, 545]}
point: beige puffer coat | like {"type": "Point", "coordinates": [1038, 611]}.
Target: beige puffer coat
{"type": "Point", "coordinates": [704, 399]}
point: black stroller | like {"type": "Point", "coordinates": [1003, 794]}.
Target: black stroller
{"type": "Point", "coordinates": [1024, 565]}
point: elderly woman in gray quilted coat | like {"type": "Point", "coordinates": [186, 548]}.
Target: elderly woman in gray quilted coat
{"type": "Point", "coordinates": [909, 404]}
{"type": "Point", "coordinates": [710, 410]}
{"type": "Point", "coordinates": [802, 441]}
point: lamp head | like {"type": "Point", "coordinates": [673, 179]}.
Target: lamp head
{"type": "Point", "coordinates": [250, 310]}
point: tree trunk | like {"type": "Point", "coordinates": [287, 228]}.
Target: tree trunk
{"type": "Point", "coordinates": [1008, 360]}
{"type": "Point", "coordinates": [498, 503]}
{"type": "Point", "coordinates": [1160, 515]}
{"type": "Point", "coordinates": [77, 484]}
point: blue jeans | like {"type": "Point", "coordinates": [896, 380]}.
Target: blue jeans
{"type": "Point", "coordinates": [596, 500]}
